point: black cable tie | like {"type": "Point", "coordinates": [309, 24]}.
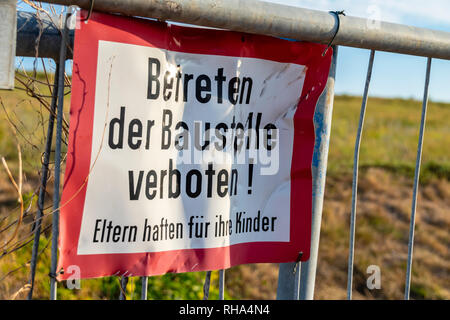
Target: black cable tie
{"type": "Point", "coordinates": [297, 261]}
{"type": "Point", "coordinates": [91, 8]}
{"type": "Point", "coordinates": [337, 14]}
{"type": "Point", "coordinates": [54, 275]}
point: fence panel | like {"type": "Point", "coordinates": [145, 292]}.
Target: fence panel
{"type": "Point", "coordinates": [296, 281]}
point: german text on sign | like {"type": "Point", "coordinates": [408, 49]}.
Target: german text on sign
{"type": "Point", "coordinates": [189, 149]}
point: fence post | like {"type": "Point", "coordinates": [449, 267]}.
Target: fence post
{"type": "Point", "coordinates": [42, 188]}
{"type": "Point", "coordinates": [298, 281]}
{"type": "Point", "coordinates": [59, 118]}
{"type": "Point", "coordinates": [322, 123]}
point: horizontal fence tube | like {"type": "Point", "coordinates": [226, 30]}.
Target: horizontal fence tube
{"type": "Point", "coordinates": [254, 16]}
{"type": "Point", "coordinates": [40, 36]}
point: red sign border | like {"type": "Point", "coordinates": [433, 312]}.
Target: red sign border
{"type": "Point", "coordinates": [190, 40]}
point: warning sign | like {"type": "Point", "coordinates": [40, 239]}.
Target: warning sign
{"type": "Point", "coordinates": [190, 149]}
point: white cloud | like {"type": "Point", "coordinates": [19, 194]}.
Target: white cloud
{"type": "Point", "coordinates": [419, 13]}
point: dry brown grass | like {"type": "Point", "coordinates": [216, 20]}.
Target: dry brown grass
{"type": "Point", "coordinates": [382, 227]}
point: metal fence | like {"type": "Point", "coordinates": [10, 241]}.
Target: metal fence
{"type": "Point", "coordinates": [296, 280]}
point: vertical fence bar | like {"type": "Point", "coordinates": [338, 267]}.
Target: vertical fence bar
{"type": "Point", "coordinates": [416, 181]}
{"type": "Point", "coordinates": [355, 177]}
{"type": "Point", "coordinates": [206, 285]}
{"type": "Point", "coordinates": [123, 288]}
{"type": "Point", "coordinates": [42, 188]}
{"type": "Point", "coordinates": [296, 280]}
{"type": "Point", "coordinates": [221, 284]}
{"type": "Point", "coordinates": [59, 118]}
{"type": "Point", "coordinates": [144, 289]}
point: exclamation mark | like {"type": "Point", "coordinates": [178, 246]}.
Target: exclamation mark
{"type": "Point", "coordinates": [250, 177]}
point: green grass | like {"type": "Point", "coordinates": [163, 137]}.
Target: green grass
{"type": "Point", "coordinates": [389, 142]}
{"type": "Point", "coordinates": [390, 136]}
{"type": "Point", "coordinates": [26, 119]}
{"type": "Point", "coordinates": [170, 286]}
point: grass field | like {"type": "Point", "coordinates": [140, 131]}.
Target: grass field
{"type": "Point", "coordinates": [388, 154]}
{"type": "Point", "coordinates": [390, 136]}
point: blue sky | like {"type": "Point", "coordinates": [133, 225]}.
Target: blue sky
{"type": "Point", "coordinates": [394, 75]}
